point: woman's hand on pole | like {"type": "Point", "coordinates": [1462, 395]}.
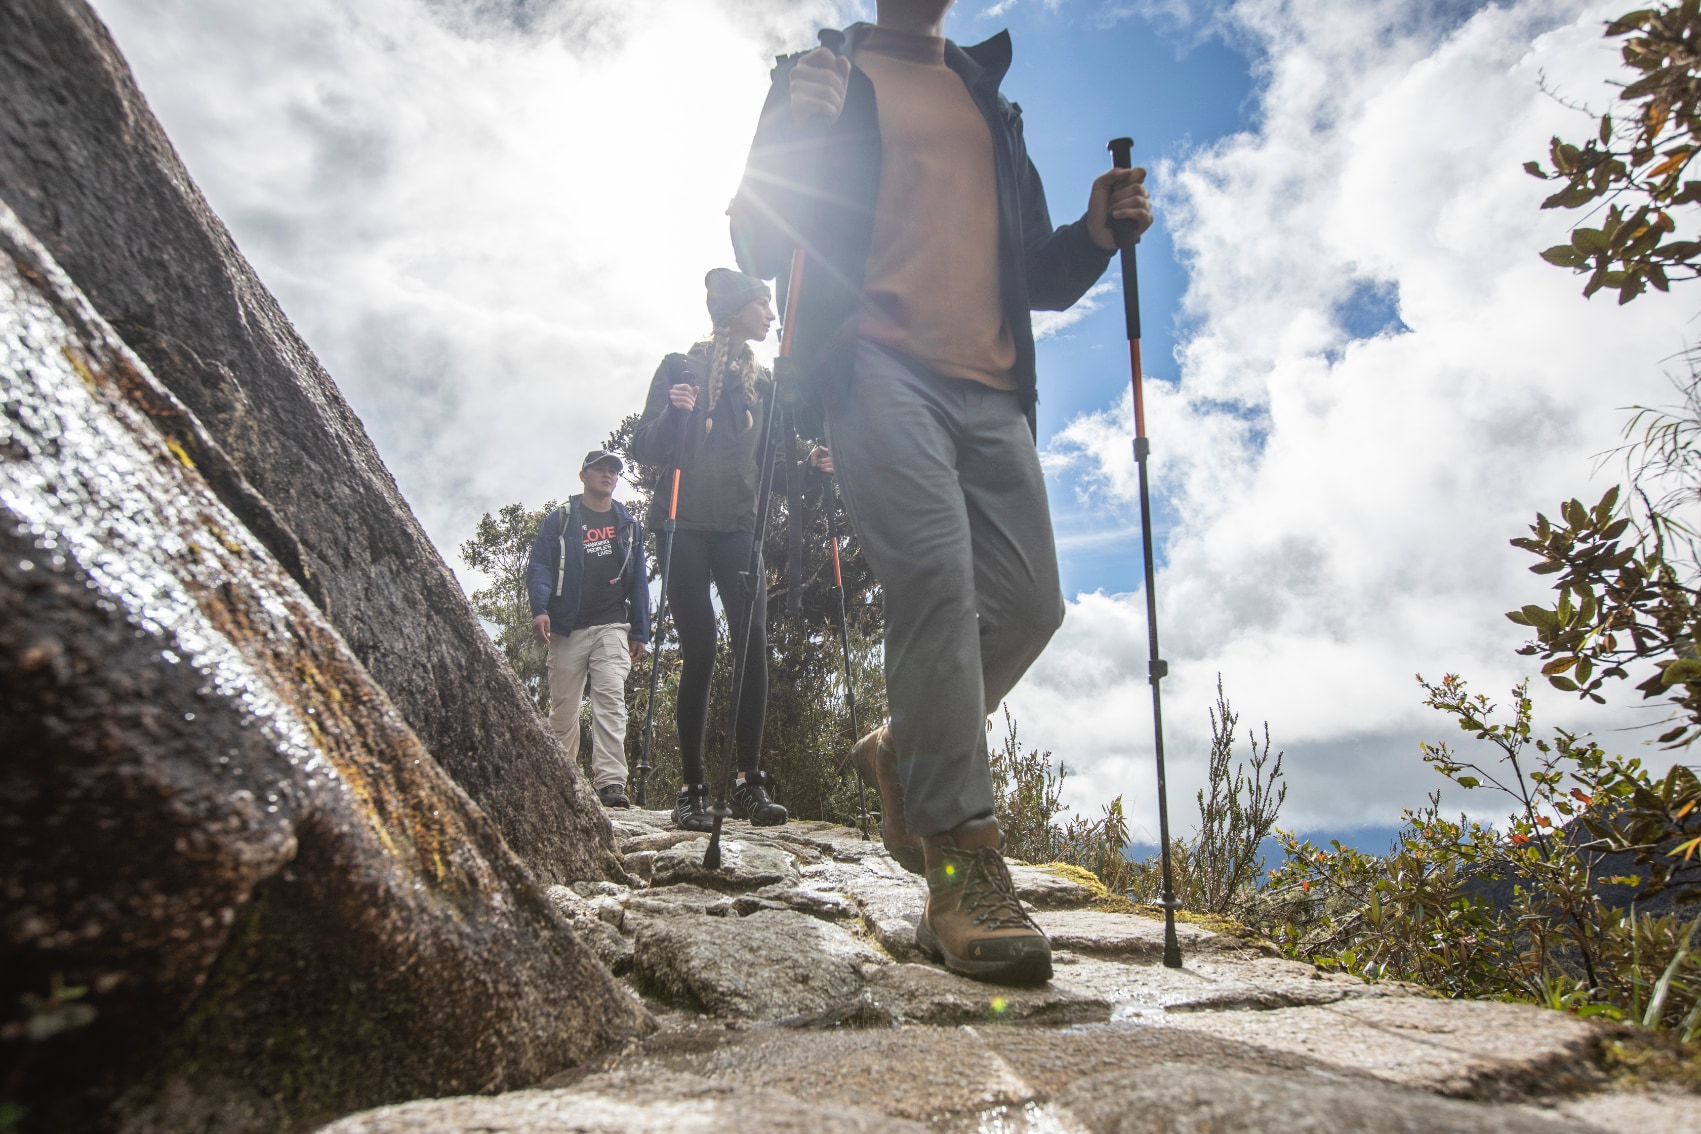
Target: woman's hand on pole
{"type": "Point", "coordinates": [1120, 195]}
{"type": "Point", "coordinates": [822, 458]}
{"type": "Point", "coordinates": [683, 397]}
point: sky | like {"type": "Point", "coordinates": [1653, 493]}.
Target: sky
{"type": "Point", "coordinates": [491, 218]}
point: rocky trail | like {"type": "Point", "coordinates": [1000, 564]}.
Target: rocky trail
{"type": "Point", "coordinates": [788, 996]}
{"type": "Point", "coordinates": [282, 838]}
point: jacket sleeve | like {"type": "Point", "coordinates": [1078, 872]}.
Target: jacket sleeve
{"type": "Point", "coordinates": [1061, 263]}
{"type": "Point", "coordinates": [540, 572]}
{"type": "Point", "coordinates": [657, 437]}
{"type": "Point", "coordinates": [638, 576]}
{"type": "Point", "coordinates": [772, 205]}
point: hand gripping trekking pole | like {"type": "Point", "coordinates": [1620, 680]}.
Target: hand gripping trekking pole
{"type": "Point", "coordinates": [844, 641]}
{"type": "Point", "coordinates": [1156, 668]}
{"type": "Point", "coordinates": [666, 549]}
{"type": "Point", "coordinates": [754, 583]}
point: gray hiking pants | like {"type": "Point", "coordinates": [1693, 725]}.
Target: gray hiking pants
{"type": "Point", "coordinates": [944, 488]}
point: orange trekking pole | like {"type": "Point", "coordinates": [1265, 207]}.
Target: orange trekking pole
{"type": "Point", "coordinates": [666, 550]}
{"type": "Point", "coordinates": [1157, 669]}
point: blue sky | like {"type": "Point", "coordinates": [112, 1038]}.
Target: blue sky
{"type": "Point", "coordinates": [1363, 380]}
{"type": "Point", "coordinates": [1082, 80]}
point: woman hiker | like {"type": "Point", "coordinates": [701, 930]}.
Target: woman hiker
{"type": "Point", "coordinates": [707, 413]}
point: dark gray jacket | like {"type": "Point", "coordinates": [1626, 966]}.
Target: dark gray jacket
{"type": "Point", "coordinates": [718, 474]}
{"type": "Point", "coordinates": [817, 190]}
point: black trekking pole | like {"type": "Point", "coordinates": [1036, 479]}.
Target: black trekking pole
{"type": "Point", "coordinates": [1157, 669]}
{"type": "Point", "coordinates": [666, 549]}
{"type": "Point", "coordinates": [753, 582]}
{"type": "Point", "coordinates": [844, 641]}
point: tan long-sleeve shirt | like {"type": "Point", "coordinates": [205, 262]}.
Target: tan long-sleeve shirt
{"type": "Point", "coordinates": [932, 288]}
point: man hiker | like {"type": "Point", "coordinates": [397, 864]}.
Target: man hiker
{"type": "Point", "coordinates": [902, 174]}
{"type": "Point", "coordinates": [590, 599]}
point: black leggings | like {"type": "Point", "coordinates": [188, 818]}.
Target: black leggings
{"type": "Point", "coordinates": [725, 556]}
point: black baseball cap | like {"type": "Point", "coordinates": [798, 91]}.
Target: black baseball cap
{"type": "Point", "coordinates": [598, 456]}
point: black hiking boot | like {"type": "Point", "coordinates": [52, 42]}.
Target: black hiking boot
{"type": "Point", "coordinates": [750, 801]}
{"type": "Point", "coordinates": [613, 795]}
{"type": "Point", "coordinates": [691, 809]}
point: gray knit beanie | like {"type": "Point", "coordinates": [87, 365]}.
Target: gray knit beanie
{"type": "Point", "coordinates": [730, 291]}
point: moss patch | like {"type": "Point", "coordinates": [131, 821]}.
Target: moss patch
{"type": "Point", "coordinates": [1639, 1057]}
{"type": "Point", "coordinates": [1078, 875]}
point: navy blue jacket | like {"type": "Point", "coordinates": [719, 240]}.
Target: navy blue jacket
{"type": "Point", "coordinates": [817, 190]}
{"type": "Point", "coordinates": [555, 581]}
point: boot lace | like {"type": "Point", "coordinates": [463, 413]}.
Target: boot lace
{"type": "Point", "coordinates": [989, 893]}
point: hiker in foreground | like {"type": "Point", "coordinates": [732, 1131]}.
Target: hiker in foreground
{"type": "Point", "coordinates": [706, 414]}
{"type": "Point", "coordinates": [901, 172]}
{"type": "Point", "coordinates": [590, 599]}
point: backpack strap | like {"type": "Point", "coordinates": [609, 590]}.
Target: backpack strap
{"type": "Point", "coordinates": [561, 539]}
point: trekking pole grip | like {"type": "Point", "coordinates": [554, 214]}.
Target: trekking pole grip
{"type": "Point", "coordinates": [1122, 157]}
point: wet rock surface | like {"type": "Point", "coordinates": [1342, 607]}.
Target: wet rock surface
{"type": "Point", "coordinates": [629, 1104]}
{"type": "Point", "coordinates": [91, 174]}
{"type": "Point", "coordinates": [273, 904]}
{"type": "Point", "coordinates": [805, 996]}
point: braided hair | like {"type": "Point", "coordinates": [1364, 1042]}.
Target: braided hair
{"type": "Point", "coordinates": [725, 358]}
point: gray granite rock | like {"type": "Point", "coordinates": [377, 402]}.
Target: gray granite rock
{"type": "Point", "coordinates": [626, 1104]}
{"type": "Point", "coordinates": [672, 901]}
{"type": "Point", "coordinates": [745, 865]}
{"type": "Point", "coordinates": [768, 966]}
{"type": "Point", "coordinates": [1465, 1048]}
{"type": "Point", "coordinates": [90, 172]}
{"type": "Point", "coordinates": [1173, 1097]}
{"type": "Point", "coordinates": [611, 947]}
{"type": "Point", "coordinates": [927, 994]}
{"type": "Point", "coordinates": [1123, 935]}
{"type": "Point", "coordinates": [279, 904]}
{"type": "Point", "coordinates": [640, 865]}
{"type": "Point", "coordinates": [1047, 889]}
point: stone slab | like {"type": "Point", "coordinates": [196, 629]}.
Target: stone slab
{"type": "Point", "coordinates": [771, 965]}
{"type": "Point", "coordinates": [1190, 1097]}
{"type": "Point", "coordinates": [1464, 1048]}
{"type": "Point", "coordinates": [1048, 890]}
{"type": "Point", "coordinates": [625, 1104]}
{"type": "Point", "coordinates": [1124, 935]}
{"type": "Point", "coordinates": [745, 865]}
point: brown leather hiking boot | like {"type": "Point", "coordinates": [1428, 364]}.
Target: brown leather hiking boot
{"type": "Point", "coordinates": [974, 924]}
{"type": "Point", "coordinates": [876, 761]}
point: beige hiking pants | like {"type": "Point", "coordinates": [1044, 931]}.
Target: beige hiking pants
{"type": "Point", "coordinates": [602, 653]}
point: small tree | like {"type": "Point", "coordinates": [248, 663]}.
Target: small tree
{"type": "Point", "coordinates": [501, 548]}
{"type": "Point", "coordinates": [1215, 871]}
{"type": "Point", "coordinates": [1028, 789]}
{"type": "Point", "coordinates": [1234, 818]}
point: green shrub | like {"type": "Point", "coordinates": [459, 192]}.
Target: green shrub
{"type": "Point", "coordinates": [1425, 911]}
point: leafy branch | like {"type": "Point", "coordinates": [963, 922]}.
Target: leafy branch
{"type": "Point", "coordinates": [1640, 168]}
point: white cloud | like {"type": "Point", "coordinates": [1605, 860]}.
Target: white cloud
{"type": "Point", "coordinates": [1048, 323]}
{"type": "Point", "coordinates": [1336, 511]}
{"type": "Point", "coordinates": [490, 221]}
